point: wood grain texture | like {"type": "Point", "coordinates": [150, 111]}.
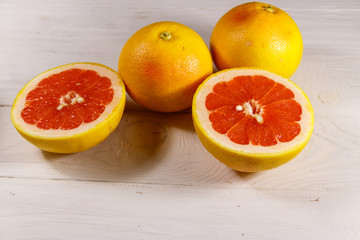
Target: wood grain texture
{"type": "Point", "coordinates": [45, 209]}
{"type": "Point", "coordinates": [152, 178]}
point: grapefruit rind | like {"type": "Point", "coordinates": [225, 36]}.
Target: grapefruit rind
{"type": "Point", "coordinates": [83, 137]}
{"type": "Point", "coordinates": [163, 75]}
{"type": "Point", "coordinates": [249, 36]}
{"type": "Point", "coordinates": [249, 158]}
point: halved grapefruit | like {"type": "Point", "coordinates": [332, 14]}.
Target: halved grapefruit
{"type": "Point", "coordinates": [252, 120]}
{"type": "Point", "coordinates": [69, 108]}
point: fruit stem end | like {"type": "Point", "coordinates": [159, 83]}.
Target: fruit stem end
{"type": "Point", "coordinates": [269, 8]}
{"type": "Point", "coordinates": [165, 35]}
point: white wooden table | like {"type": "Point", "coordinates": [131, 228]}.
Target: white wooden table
{"type": "Point", "coordinates": [141, 185]}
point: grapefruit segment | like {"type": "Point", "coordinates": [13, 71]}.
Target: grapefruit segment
{"type": "Point", "coordinates": [237, 133]}
{"type": "Point", "coordinates": [286, 105]}
{"type": "Point", "coordinates": [215, 101]}
{"type": "Point", "coordinates": [252, 120]}
{"type": "Point", "coordinates": [276, 93]}
{"type": "Point", "coordinates": [69, 108]}
{"type": "Point", "coordinates": [224, 118]}
{"type": "Point", "coordinates": [262, 85]}
{"type": "Point", "coordinates": [260, 134]}
{"type": "Point", "coordinates": [226, 90]}
{"type": "Point", "coordinates": [242, 85]}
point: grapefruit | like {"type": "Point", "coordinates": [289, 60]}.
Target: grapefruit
{"type": "Point", "coordinates": [257, 35]}
{"type": "Point", "coordinates": [69, 108]}
{"type": "Point", "coordinates": [252, 120]}
{"type": "Point", "coordinates": [162, 65]}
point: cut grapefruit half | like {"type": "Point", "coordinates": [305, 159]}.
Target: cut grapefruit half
{"type": "Point", "coordinates": [252, 120]}
{"type": "Point", "coordinates": [69, 108]}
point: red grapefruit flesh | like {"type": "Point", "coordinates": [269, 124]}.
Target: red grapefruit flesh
{"type": "Point", "coordinates": [67, 99]}
{"type": "Point", "coordinates": [254, 109]}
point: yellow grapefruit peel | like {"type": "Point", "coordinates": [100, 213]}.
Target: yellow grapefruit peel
{"type": "Point", "coordinates": [162, 64]}
{"type": "Point", "coordinates": [259, 35]}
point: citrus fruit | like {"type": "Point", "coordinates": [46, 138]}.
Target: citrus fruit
{"type": "Point", "coordinates": [257, 35]}
{"type": "Point", "coordinates": [69, 108]}
{"type": "Point", "coordinates": [162, 65]}
{"type": "Point", "coordinates": [252, 120]}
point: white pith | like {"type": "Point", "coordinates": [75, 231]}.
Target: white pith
{"type": "Point", "coordinates": [70, 98]}
{"type": "Point", "coordinates": [202, 113]}
{"type": "Point", "coordinates": [67, 99]}
{"type": "Point", "coordinates": [247, 107]}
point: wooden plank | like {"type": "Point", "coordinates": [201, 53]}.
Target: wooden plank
{"type": "Point", "coordinates": [159, 4]}
{"type": "Point", "coordinates": [332, 85]}
{"type": "Point", "coordinates": [45, 209]}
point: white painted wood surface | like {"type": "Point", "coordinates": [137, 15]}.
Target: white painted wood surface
{"type": "Point", "coordinates": [152, 179]}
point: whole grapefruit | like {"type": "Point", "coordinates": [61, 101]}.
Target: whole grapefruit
{"type": "Point", "coordinates": [257, 35]}
{"type": "Point", "coordinates": [162, 65]}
